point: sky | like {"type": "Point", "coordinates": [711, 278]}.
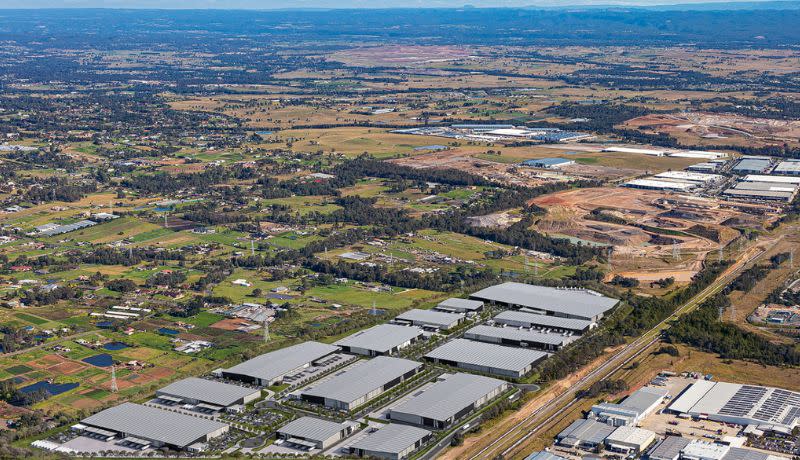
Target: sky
{"type": "Point", "coordinates": [284, 4]}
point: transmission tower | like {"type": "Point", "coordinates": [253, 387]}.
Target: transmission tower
{"type": "Point", "coordinates": [266, 330]}
{"type": "Point", "coordinates": [114, 387]}
{"type": "Point", "coordinates": [166, 224]}
{"type": "Point", "coordinates": [252, 248]}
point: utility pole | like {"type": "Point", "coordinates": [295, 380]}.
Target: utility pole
{"type": "Point", "coordinates": [252, 248]}
{"type": "Point", "coordinates": [114, 387]}
{"type": "Point", "coordinates": [266, 330]}
{"type": "Point", "coordinates": [166, 224]}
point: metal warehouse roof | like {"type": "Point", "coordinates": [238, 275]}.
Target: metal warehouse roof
{"type": "Point", "coordinates": [542, 455]}
{"type": "Point", "coordinates": [362, 379]}
{"type": "Point", "coordinates": [209, 391]}
{"type": "Point", "coordinates": [738, 453]}
{"type": "Point", "coordinates": [668, 449]}
{"type": "Point", "coordinates": [512, 333]}
{"type": "Point", "coordinates": [391, 438]}
{"type": "Point", "coordinates": [547, 161]}
{"type": "Point", "coordinates": [581, 303]}
{"type": "Point", "coordinates": [660, 184]}
{"type": "Point", "coordinates": [769, 178]}
{"type": "Point", "coordinates": [430, 317]}
{"type": "Point", "coordinates": [312, 428]}
{"type": "Point", "coordinates": [586, 431]}
{"type": "Point", "coordinates": [644, 398]}
{"type": "Point", "coordinates": [486, 354]}
{"type": "Point", "coordinates": [631, 434]}
{"type": "Point", "coordinates": [790, 167]}
{"type": "Point", "coordinates": [381, 338]}
{"type": "Point", "coordinates": [752, 164]}
{"type": "Point", "coordinates": [272, 365]}
{"type": "Point", "coordinates": [461, 304]}
{"type": "Point", "coordinates": [154, 424]}
{"type": "Point", "coordinates": [543, 320]}
{"type": "Point", "coordinates": [447, 397]}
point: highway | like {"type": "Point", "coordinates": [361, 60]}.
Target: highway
{"type": "Point", "coordinates": [507, 442]}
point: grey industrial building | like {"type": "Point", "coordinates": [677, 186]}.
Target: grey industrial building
{"type": "Point", "coordinates": [632, 409]}
{"type": "Point", "coordinates": [542, 455]}
{"type": "Point", "coordinates": [752, 165]}
{"type": "Point", "coordinates": [448, 400]}
{"type": "Point", "coordinates": [669, 448]}
{"type": "Point", "coordinates": [206, 395]}
{"type": "Point", "coordinates": [766, 191]}
{"type": "Point", "coordinates": [383, 339]}
{"type": "Point", "coordinates": [519, 337]}
{"type": "Point", "coordinates": [788, 168]}
{"type": "Point", "coordinates": [143, 427]}
{"type": "Point", "coordinates": [585, 433]}
{"type": "Point", "coordinates": [315, 433]}
{"type": "Point", "coordinates": [564, 303]}
{"type": "Point", "coordinates": [271, 368]}
{"type": "Point", "coordinates": [520, 318]}
{"type": "Point", "coordinates": [391, 442]}
{"type": "Point", "coordinates": [456, 305]}
{"type": "Point", "coordinates": [361, 383]}
{"type": "Point", "coordinates": [430, 319]}
{"type": "Point", "coordinates": [486, 357]}
{"type": "Point", "coordinates": [548, 163]}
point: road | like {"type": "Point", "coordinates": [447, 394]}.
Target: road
{"type": "Point", "coordinates": [508, 442]}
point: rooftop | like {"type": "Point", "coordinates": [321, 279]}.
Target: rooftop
{"type": "Point", "coordinates": [270, 366]}
{"type": "Point", "coordinates": [153, 424]}
{"type": "Point", "coordinates": [363, 378]}
{"type": "Point", "coordinates": [512, 333]}
{"type": "Point", "coordinates": [572, 302]}
{"type": "Point", "coordinates": [430, 317]}
{"type": "Point", "coordinates": [381, 338]}
{"type": "Point", "coordinates": [461, 304]}
{"type": "Point", "coordinates": [391, 438]}
{"type": "Point", "coordinates": [219, 393]}
{"type": "Point", "coordinates": [668, 449]}
{"type": "Point", "coordinates": [447, 397]}
{"type": "Point", "coordinates": [312, 428]}
{"type": "Point", "coordinates": [543, 320]}
{"type": "Point", "coordinates": [487, 355]}
{"type": "Point", "coordinates": [585, 431]}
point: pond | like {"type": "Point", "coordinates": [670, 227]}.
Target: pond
{"type": "Point", "coordinates": [52, 388]}
{"type": "Point", "coordinates": [105, 324]}
{"type": "Point", "coordinates": [275, 296]}
{"type": "Point", "coordinates": [168, 331]}
{"type": "Point", "coordinates": [101, 360]}
{"type": "Point", "coordinates": [114, 346]}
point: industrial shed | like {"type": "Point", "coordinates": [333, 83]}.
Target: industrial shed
{"type": "Point", "coordinates": [752, 165]}
{"type": "Point", "coordinates": [586, 434]}
{"type": "Point", "coordinates": [315, 433]}
{"type": "Point", "coordinates": [668, 449]}
{"type": "Point", "coordinates": [448, 400]}
{"type": "Point", "coordinates": [518, 318]}
{"type": "Point", "coordinates": [788, 167]}
{"type": "Point", "coordinates": [630, 440]}
{"type": "Point", "coordinates": [430, 319]}
{"type": "Point", "coordinates": [271, 368]}
{"type": "Point", "coordinates": [208, 394]}
{"type": "Point", "coordinates": [518, 337]}
{"type": "Point", "coordinates": [456, 305]}
{"type": "Point", "coordinates": [632, 409]}
{"type": "Point", "coordinates": [548, 163]}
{"type": "Point", "coordinates": [565, 303]}
{"type": "Point", "coordinates": [361, 383]}
{"type": "Point", "coordinates": [486, 357]}
{"type": "Point", "coordinates": [383, 339]}
{"type": "Point", "coordinates": [391, 442]}
{"type": "Point", "coordinates": [145, 426]}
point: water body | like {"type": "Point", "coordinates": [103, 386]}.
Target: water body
{"type": "Point", "coordinates": [52, 389]}
{"type": "Point", "coordinates": [105, 324]}
{"type": "Point", "coordinates": [101, 360]}
{"type": "Point", "coordinates": [114, 346]}
{"type": "Point", "coordinates": [168, 331]}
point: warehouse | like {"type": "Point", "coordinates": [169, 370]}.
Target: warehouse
{"type": "Point", "coordinates": [383, 339]}
{"type": "Point", "coordinates": [270, 368]}
{"type": "Point", "coordinates": [448, 400]}
{"type": "Point", "coordinates": [565, 303]}
{"type": "Point", "coordinates": [391, 442]}
{"type": "Point", "coordinates": [456, 305]}
{"type": "Point", "coordinates": [707, 167]}
{"type": "Point", "coordinates": [630, 440]}
{"type": "Point", "coordinates": [361, 383]}
{"type": "Point", "coordinates": [652, 184]}
{"type": "Point", "coordinates": [145, 427]}
{"type": "Point", "coordinates": [548, 163]}
{"type": "Point", "coordinates": [519, 318]}
{"type": "Point", "coordinates": [632, 409]}
{"type": "Point", "coordinates": [519, 337]}
{"type": "Point", "coordinates": [543, 455]}
{"type": "Point", "coordinates": [768, 408]}
{"type": "Point", "coordinates": [771, 179]}
{"type": "Point", "coordinates": [585, 434]}
{"type": "Point", "coordinates": [206, 395]}
{"type": "Point", "coordinates": [668, 449]}
{"type": "Point", "coordinates": [655, 153]}
{"type": "Point", "coordinates": [752, 165]}
{"type": "Point", "coordinates": [768, 191]}
{"type": "Point", "coordinates": [700, 154]}
{"type": "Point", "coordinates": [686, 176]}
{"type": "Point", "coordinates": [486, 357]}
{"type": "Point", "coordinates": [315, 433]}
{"type": "Point", "coordinates": [788, 168]}
{"type": "Point", "coordinates": [430, 319]}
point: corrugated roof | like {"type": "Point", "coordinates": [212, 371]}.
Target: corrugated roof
{"type": "Point", "coordinates": [463, 304]}
{"type": "Point", "coordinates": [487, 354]}
{"type": "Point", "coordinates": [588, 431]}
{"type": "Point", "coordinates": [362, 378]}
{"type": "Point", "coordinates": [543, 320]}
{"type": "Point", "coordinates": [668, 449]}
{"type": "Point", "coordinates": [481, 331]}
{"type": "Point", "coordinates": [446, 398]}
{"type": "Point", "coordinates": [631, 434]}
{"type": "Point", "coordinates": [391, 438]}
{"type": "Point", "coordinates": [738, 453]}
{"type": "Point", "coordinates": [154, 424]}
{"type": "Point", "coordinates": [381, 338]}
{"type": "Point", "coordinates": [542, 455]}
{"type": "Point", "coordinates": [578, 303]}
{"type": "Point", "coordinates": [437, 318]}
{"type": "Point", "coordinates": [209, 391]}
{"type": "Point", "coordinates": [313, 428]}
{"type": "Point", "coordinates": [275, 364]}
{"type": "Point", "coordinates": [643, 398]}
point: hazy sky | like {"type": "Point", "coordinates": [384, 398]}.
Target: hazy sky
{"type": "Point", "coordinates": [282, 4]}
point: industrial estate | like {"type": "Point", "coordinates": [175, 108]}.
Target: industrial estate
{"type": "Point", "coordinates": [406, 234]}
